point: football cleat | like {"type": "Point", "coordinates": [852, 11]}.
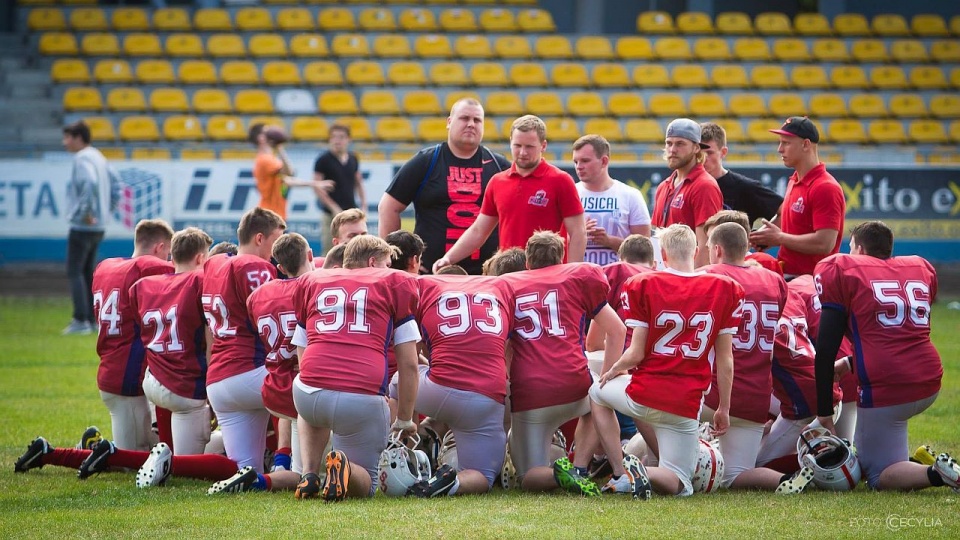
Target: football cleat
{"type": "Point", "coordinates": [437, 486]}
{"type": "Point", "coordinates": [33, 457]}
{"type": "Point", "coordinates": [308, 488]}
{"type": "Point", "coordinates": [620, 486]}
{"type": "Point", "coordinates": [639, 481]}
{"type": "Point", "coordinates": [241, 481]}
{"type": "Point", "coordinates": [97, 461]}
{"type": "Point", "coordinates": [570, 480]}
{"type": "Point", "coordinates": [90, 439]}
{"type": "Point", "coordinates": [796, 483]}
{"type": "Point", "coordinates": [156, 469]}
{"type": "Point", "coordinates": [77, 328]}
{"type": "Point", "coordinates": [924, 455]}
{"type": "Point", "coordinates": [949, 470]}
{"type": "Point", "coordinates": [338, 477]}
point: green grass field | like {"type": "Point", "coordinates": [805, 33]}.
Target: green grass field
{"type": "Point", "coordinates": [47, 387]}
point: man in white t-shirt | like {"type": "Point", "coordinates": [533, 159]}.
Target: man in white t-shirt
{"type": "Point", "coordinates": [613, 210]}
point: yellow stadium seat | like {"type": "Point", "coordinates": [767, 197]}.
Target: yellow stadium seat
{"type": "Point", "coordinates": [851, 24]}
{"type": "Point", "coordinates": [309, 128]}
{"type": "Point", "coordinates": [253, 19]}
{"type": "Point", "coordinates": [138, 129]}
{"type": "Point", "coordinates": [212, 20]}
{"type": "Point", "coordinates": [101, 128]}
{"type": "Point", "coordinates": [359, 127]}
{"type": "Point", "coordinates": [888, 77]}
{"type": "Point", "coordinates": [734, 23]}
{"type": "Point", "coordinates": [100, 44]}
{"type": "Point", "coordinates": [309, 46]}
{"type": "Point", "coordinates": [283, 73]}
{"type": "Point", "coordinates": [586, 104]}
{"type": "Point", "coordinates": [786, 104]}
{"type": "Point", "coordinates": [536, 20]}
{"type": "Point", "coordinates": [473, 46]}
{"type": "Point", "coordinates": [747, 104]}
{"type": "Point", "coordinates": [773, 24]}
{"type": "Point", "coordinates": [758, 131]}
{"type": "Point", "coordinates": [113, 153]}
{"type": "Point", "coordinates": [908, 106]}
{"type": "Point", "coordinates": [830, 50]}
{"type": "Point", "coordinates": [69, 70]}
{"type": "Point", "coordinates": [751, 50]}
{"type": "Point", "coordinates": [225, 45]}
{"type": "Point", "coordinates": [448, 74]}
{"type": "Point", "coordinates": [890, 25]}
{"type": "Point", "coordinates": [562, 129]}
{"type": "Point", "coordinates": [112, 72]}
{"type": "Point", "coordinates": [690, 76]}
{"type": "Point", "coordinates": [82, 98]}
{"type": "Point", "coordinates": [226, 128]}
{"type": "Point", "coordinates": [651, 76]}
{"type": "Point", "coordinates": [544, 104]}
{"type": "Point", "coordinates": [812, 24]}
{"type": "Point", "coordinates": [267, 45]}
{"type": "Point", "coordinates": [909, 51]}
{"type": "Point", "coordinates": [323, 74]}
{"type": "Point", "coordinates": [127, 19]}
{"type": "Point", "coordinates": [955, 131]}
{"type": "Point", "coordinates": [846, 132]}
{"type": "Point", "coordinates": [945, 105]}
{"type": "Point", "coordinates": [423, 102]}
{"type": "Point", "coordinates": [927, 132]}
{"type": "Point", "coordinates": [488, 74]}
{"type": "Point", "coordinates": [155, 154]}
{"type": "Point", "coordinates": [458, 20]}
{"type": "Point", "coordinates": [606, 127]}
{"type": "Point", "coordinates": [452, 97]}
{"type": "Point", "coordinates": [432, 46]}
{"type": "Point", "coordinates": [729, 76]}
{"type": "Point", "coordinates": [553, 47]}
{"type": "Point", "coordinates": [241, 153]}
{"type": "Point", "coordinates": [733, 129]}
{"type": "Point", "coordinates": [945, 51]}
{"type": "Point", "coordinates": [197, 72]}
{"type": "Point", "coordinates": [392, 46]}
{"type": "Point", "coordinates": [769, 76]}
{"type": "Point", "coordinates": [394, 129]}
{"type": "Point", "coordinates": [418, 20]}
{"type": "Point", "coordinates": [849, 77]}
{"type": "Point", "coordinates": [293, 19]}
{"type": "Point", "coordinates": [155, 72]}
{"type": "Point", "coordinates": [828, 105]}
{"type": "Point", "coordinates": [41, 19]}
{"type": "Point", "coordinates": [610, 75]}
{"type": "Point", "coordinates": [171, 19]}
{"type": "Point", "coordinates": [435, 129]}
{"type": "Point", "coordinates": [929, 25]}
{"type": "Point", "coordinates": [379, 102]}
{"type": "Point", "coordinates": [490, 131]}
{"type": "Point", "coordinates": [182, 128]}
{"type": "Point", "coordinates": [672, 49]}
{"type": "Point", "coordinates": [864, 106]}
{"type": "Point", "coordinates": [954, 78]}
{"type": "Point", "coordinates": [498, 20]}
{"type": "Point", "coordinates": [633, 48]}
{"type": "Point", "coordinates": [694, 22]}
{"type": "Point", "coordinates": [88, 19]}
{"type": "Point", "coordinates": [567, 74]}
{"type": "Point", "coordinates": [337, 102]}
{"type": "Point", "coordinates": [239, 72]}
{"type": "Point", "coordinates": [791, 50]}
{"type": "Point", "coordinates": [58, 44]}
{"type": "Point", "coordinates": [516, 46]}
{"type": "Point", "coordinates": [169, 99]}
{"type": "Point", "coordinates": [211, 100]}
{"type": "Point", "coordinates": [503, 104]}
{"type": "Point", "coordinates": [184, 45]}
{"type": "Point", "coordinates": [377, 19]}
{"type": "Point", "coordinates": [643, 130]}
{"type": "Point", "coordinates": [336, 19]}
{"type": "Point", "coordinates": [711, 49]}
{"type": "Point", "coordinates": [886, 132]}
{"type": "Point", "coordinates": [407, 74]}
{"type": "Point", "coordinates": [365, 73]}
{"type": "Point", "coordinates": [253, 101]}
{"type": "Point", "coordinates": [626, 104]}
{"type": "Point", "coordinates": [594, 48]}
{"type": "Point", "coordinates": [528, 74]}
{"type": "Point", "coordinates": [655, 22]}
{"type": "Point", "coordinates": [667, 105]}
{"type": "Point", "coordinates": [350, 45]}
{"type": "Point", "coordinates": [707, 104]}
{"type": "Point", "coordinates": [126, 100]}
{"type": "Point", "coordinates": [809, 76]}
{"type": "Point", "coordinates": [140, 44]}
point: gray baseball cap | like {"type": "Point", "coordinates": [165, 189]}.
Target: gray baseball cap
{"type": "Point", "coordinates": [686, 128]}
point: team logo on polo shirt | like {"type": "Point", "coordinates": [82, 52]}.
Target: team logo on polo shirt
{"type": "Point", "coordinates": [539, 199]}
{"type": "Point", "coordinates": [797, 206]}
{"type": "Point", "coordinates": [677, 201]}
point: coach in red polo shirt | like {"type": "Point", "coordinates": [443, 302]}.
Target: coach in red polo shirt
{"type": "Point", "coordinates": [811, 216]}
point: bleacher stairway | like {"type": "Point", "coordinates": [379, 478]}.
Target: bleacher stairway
{"type": "Point", "coordinates": [30, 114]}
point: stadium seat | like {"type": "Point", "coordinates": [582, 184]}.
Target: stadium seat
{"type": "Point", "coordinates": [309, 46]}
{"type": "Point", "coordinates": [758, 131]}
{"type": "Point", "coordinates": [101, 128]}
{"type": "Point", "coordinates": [239, 72]}
{"type": "Point", "coordinates": [253, 19]}
{"type": "Point", "coordinates": [267, 45]}
{"type": "Point", "coordinates": [888, 77]}
{"type": "Point", "coordinates": [609, 128]}
{"type": "Point", "coordinates": [126, 100]}
{"type": "Point", "coordinates": [238, 153]}
{"type": "Point", "coordinates": [517, 46]}
{"type": "Point", "coordinates": [418, 20]}
{"type": "Point", "coordinates": [448, 74]}
{"type": "Point", "coordinates": [769, 76]}
{"type": "Point", "coordinates": [809, 76]}
{"type": "Point", "coordinates": [337, 102]}
{"type": "Point", "coordinates": [673, 49]}
{"type": "Point", "coordinates": [945, 105]}
{"type": "Point", "coordinates": [851, 25]}
{"type": "Point", "coordinates": [212, 20]}
{"type": "Point", "coordinates": [733, 129]}
{"type": "Point", "coordinates": [610, 75]}
{"type": "Point", "coordinates": [747, 104]}
{"type": "Point", "coordinates": [498, 20]}
{"type": "Point", "coordinates": [226, 128]}
{"type": "Point", "coordinates": [456, 95]}
{"type": "Point", "coordinates": [544, 104]}
{"type": "Point", "coordinates": [294, 101]}
{"type": "Point", "coordinates": [211, 100]}
{"type": "Point", "coordinates": [323, 74]}
{"type": "Point", "coordinates": [127, 19]}
{"type": "Point", "coordinates": [594, 48]}
{"type": "Point", "coordinates": [626, 104]}
{"type": "Point", "coordinates": [586, 104]}
{"type": "Point", "coordinates": [929, 25]}
{"type": "Point", "coordinates": [283, 73]}
{"type": "Point", "coordinates": [365, 73]}
{"type": "Point", "coordinates": [909, 51]}
{"type": "Point", "coordinates": [197, 72]}
{"type": "Point", "coordinates": [711, 50]}
{"type": "Point", "coordinates": [667, 105]}
{"type": "Point", "coordinates": [707, 104]}
{"type": "Point", "coordinates": [886, 132]}
{"type": "Point", "coordinates": [562, 129]}
{"type": "Point", "coordinates": [44, 19]}
{"type": "Point", "coordinates": [734, 23]}
{"type": "Point", "coordinates": [865, 106]}
{"type": "Point", "coordinates": [908, 106]}
{"type": "Point", "coordinates": [142, 44]}
{"type": "Point", "coordinates": [309, 128]}
{"type": "Point", "coordinates": [100, 44]}
{"type": "Point", "coordinates": [253, 101]}
{"type": "Point", "coordinates": [829, 105]}
{"type": "Point", "coordinates": [567, 74]}
{"type": "Point", "coordinates": [786, 104]}
{"type": "Point", "coordinates": [112, 72]}
{"type": "Point", "coordinates": [82, 98]}
{"type": "Point", "coordinates": [458, 20]}
{"type": "Point", "coordinates": [392, 46]}
{"type": "Point", "coordinates": [379, 102]}
{"type": "Point", "coordinates": [690, 76]}
{"type": "Point", "coordinates": [729, 76]}
{"type": "Point", "coordinates": [432, 46]}
{"type": "Point", "coordinates": [536, 20]}
{"type": "Point", "coordinates": [632, 48]}
{"type": "Point", "coordinates": [226, 45]}
{"type": "Point", "coordinates": [423, 102]}
{"type": "Point", "coordinates": [69, 70]}
{"type": "Point", "coordinates": [552, 47]}
{"type": "Point", "coordinates": [350, 45]}
{"type": "Point", "coordinates": [377, 19]}
{"type": "Point", "coordinates": [927, 132]}
{"type": "Point", "coordinates": [169, 99]}
{"type": "Point", "coordinates": [655, 22]}
{"type": "Point", "coordinates": [812, 24]}
{"type": "Point", "coordinates": [336, 19]}
{"type": "Point", "coordinates": [394, 129]}
{"type": "Point", "coordinates": [88, 20]}
{"type": "Point", "coordinates": [954, 77]}
{"type": "Point", "coordinates": [435, 129]}
{"type": "Point", "coordinates": [643, 130]}
{"type": "Point", "coordinates": [184, 45]}
{"type": "Point", "coordinates": [695, 22]}
{"type": "Point", "coordinates": [406, 74]}
{"type": "Point", "coordinates": [155, 154]}
{"type": "Point", "coordinates": [58, 44]}
{"type": "Point", "coordinates": [488, 74]}
{"type": "Point", "coordinates": [528, 74]}
{"type": "Point", "coordinates": [849, 77]}
{"type": "Point", "coordinates": [830, 50]}
{"type": "Point", "coordinates": [955, 131]}
{"type": "Point", "coordinates": [359, 127]}
{"type": "Point", "coordinates": [138, 129]}
{"type": "Point", "coordinates": [182, 128]}
{"type": "Point", "coordinates": [890, 25]}
{"type": "Point", "coordinates": [846, 132]}
{"type": "Point", "coordinates": [773, 23]}
{"type": "Point", "coordinates": [171, 19]}
{"type": "Point", "coordinates": [474, 46]}
{"type": "Point", "coordinates": [945, 51]}
{"type": "Point", "coordinates": [791, 50]}
{"type": "Point", "coordinates": [155, 72]}
{"type": "Point", "coordinates": [751, 50]}
{"type": "Point", "coordinates": [293, 19]}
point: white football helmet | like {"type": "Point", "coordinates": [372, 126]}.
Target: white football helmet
{"type": "Point", "coordinates": [833, 460]}
{"type": "Point", "coordinates": [637, 446]}
{"type": "Point", "coordinates": [401, 467]}
{"type": "Point", "coordinates": [448, 452]}
{"type": "Point", "coordinates": [709, 471]}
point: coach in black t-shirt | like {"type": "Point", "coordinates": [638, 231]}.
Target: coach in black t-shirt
{"type": "Point", "coordinates": [343, 167]}
{"type": "Point", "coordinates": [445, 183]}
{"type": "Point", "coordinates": [739, 192]}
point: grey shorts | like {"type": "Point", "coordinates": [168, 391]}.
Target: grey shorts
{"type": "Point", "coordinates": [531, 432]}
{"type": "Point", "coordinates": [881, 436]}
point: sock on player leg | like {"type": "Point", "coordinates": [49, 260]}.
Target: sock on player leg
{"type": "Point", "coordinates": [65, 457]}
{"type": "Point", "coordinates": [212, 467]}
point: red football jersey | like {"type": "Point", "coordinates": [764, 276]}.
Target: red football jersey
{"type": "Point", "coordinates": [617, 274]}
{"type": "Point", "coordinates": [552, 306]}
{"type": "Point", "coordinates": [227, 282]}
{"type": "Point", "coordinates": [121, 353]}
{"type": "Point", "coordinates": [171, 318]}
{"type": "Point", "coordinates": [272, 310]}
{"type": "Point", "coordinates": [465, 322]}
{"type": "Point", "coordinates": [765, 293]}
{"type": "Point", "coordinates": [684, 314]}
{"type": "Point", "coordinates": [887, 302]}
{"type": "Point", "coordinates": [350, 317]}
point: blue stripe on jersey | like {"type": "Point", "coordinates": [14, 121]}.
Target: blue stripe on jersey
{"type": "Point", "coordinates": [800, 406]}
{"type": "Point", "coordinates": [200, 385]}
{"type": "Point", "coordinates": [388, 342]}
{"type": "Point", "coordinates": [866, 392]}
{"type": "Point", "coordinates": [259, 352]}
{"type": "Point", "coordinates": [839, 307]}
{"type": "Point", "coordinates": [133, 374]}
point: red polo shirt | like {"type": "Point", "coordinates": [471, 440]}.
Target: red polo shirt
{"type": "Point", "coordinates": [812, 203]}
{"type": "Point", "coordinates": [692, 203]}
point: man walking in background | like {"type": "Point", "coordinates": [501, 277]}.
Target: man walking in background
{"type": "Point", "coordinates": [341, 166]}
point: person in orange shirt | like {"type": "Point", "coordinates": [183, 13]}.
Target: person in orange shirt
{"type": "Point", "coordinates": [272, 169]}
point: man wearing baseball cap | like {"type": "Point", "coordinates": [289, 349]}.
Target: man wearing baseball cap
{"type": "Point", "coordinates": [811, 217]}
{"type": "Point", "coordinates": [690, 195]}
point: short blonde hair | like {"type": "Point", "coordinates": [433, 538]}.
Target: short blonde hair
{"type": "Point", "coordinates": [334, 257]}
{"type": "Point", "coordinates": [361, 248]}
{"type": "Point", "coordinates": [258, 221]}
{"type": "Point", "coordinates": [727, 216]}
{"type": "Point", "coordinates": [530, 122]}
{"type": "Point", "coordinates": [544, 248]}
{"type": "Point", "coordinates": [188, 243]}
{"type": "Point", "coordinates": [505, 261]}
{"type": "Point", "coordinates": [469, 101]}
{"type": "Point", "coordinates": [350, 215]}
{"type": "Point", "coordinates": [678, 241]}
{"type": "Point", "coordinates": [150, 232]}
